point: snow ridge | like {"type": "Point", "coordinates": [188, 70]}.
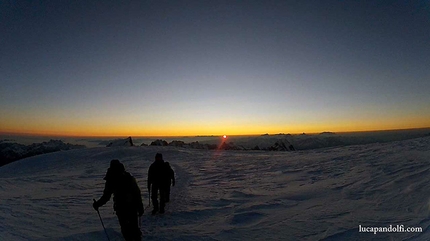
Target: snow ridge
{"type": "Point", "coordinates": [10, 152]}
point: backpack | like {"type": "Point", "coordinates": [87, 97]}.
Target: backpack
{"type": "Point", "coordinates": [126, 193]}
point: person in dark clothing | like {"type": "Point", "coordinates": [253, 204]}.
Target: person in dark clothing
{"type": "Point", "coordinates": [157, 178]}
{"type": "Point", "coordinates": [127, 199]}
{"type": "Point", "coordinates": [170, 180]}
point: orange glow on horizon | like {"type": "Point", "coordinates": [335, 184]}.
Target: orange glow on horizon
{"type": "Point", "coordinates": [189, 132]}
{"type": "Point", "coordinates": [86, 128]}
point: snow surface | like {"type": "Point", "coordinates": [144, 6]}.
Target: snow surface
{"type": "Point", "coordinates": [321, 194]}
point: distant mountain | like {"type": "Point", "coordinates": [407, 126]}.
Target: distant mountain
{"type": "Point", "coordinates": [279, 145]}
{"type": "Point", "coordinates": [282, 146]}
{"type": "Point", "coordinates": [159, 142]}
{"type": "Point", "coordinates": [177, 143]}
{"type": "Point", "coordinates": [327, 133]}
{"type": "Point", "coordinates": [120, 142]}
{"type": "Point", "coordinates": [10, 152]}
{"type": "Point", "coordinates": [198, 145]}
{"type": "Point", "coordinates": [230, 146]}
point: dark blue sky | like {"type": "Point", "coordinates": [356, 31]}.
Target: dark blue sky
{"type": "Point", "coordinates": [213, 67]}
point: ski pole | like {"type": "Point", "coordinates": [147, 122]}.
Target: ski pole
{"type": "Point", "coordinates": [101, 220]}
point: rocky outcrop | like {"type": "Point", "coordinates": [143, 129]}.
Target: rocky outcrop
{"type": "Point", "coordinates": [197, 145]}
{"type": "Point", "coordinates": [327, 133]}
{"type": "Point", "coordinates": [230, 146]}
{"type": "Point", "coordinates": [159, 142]}
{"type": "Point", "coordinates": [120, 142]}
{"type": "Point", "coordinates": [256, 148]}
{"type": "Point", "coordinates": [281, 146]}
{"type": "Point", "coordinates": [177, 143]}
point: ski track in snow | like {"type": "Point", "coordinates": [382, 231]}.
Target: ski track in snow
{"type": "Point", "coordinates": [320, 194]}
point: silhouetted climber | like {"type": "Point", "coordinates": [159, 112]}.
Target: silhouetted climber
{"type": "Point", "coordinates": [157, 177]}
{"type": "Point", "coordinates": [127, 199]}
{"type": "Point", "coordinates": [170, 180]}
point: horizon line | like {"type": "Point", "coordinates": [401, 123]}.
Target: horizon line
{"type": "Point", "coordinates": [219, 135]}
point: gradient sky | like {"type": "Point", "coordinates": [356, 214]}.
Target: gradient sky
{"type": "Point", "coordinates": [213, 67]}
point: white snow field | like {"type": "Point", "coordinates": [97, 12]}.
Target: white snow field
{"type": "Point", "coordinates": [322, 194]}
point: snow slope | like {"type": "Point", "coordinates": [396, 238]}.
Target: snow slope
{"type": "Point", "coordinates": [321, 194]}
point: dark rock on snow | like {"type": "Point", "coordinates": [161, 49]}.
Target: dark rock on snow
{"type": "Point", "coordinates": [121, 142]}
{"type": "Point", "coordinates": [177, 143]}
{"type": "Point", "coordinates": [159, 143]}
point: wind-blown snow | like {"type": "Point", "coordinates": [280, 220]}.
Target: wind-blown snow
{"type": "Point", "coordinates": [321, 194]}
